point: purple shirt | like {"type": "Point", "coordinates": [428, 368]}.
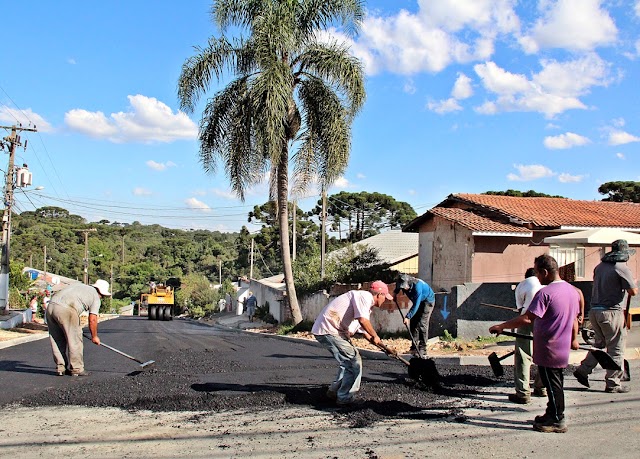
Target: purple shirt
{"type": "Point", "coordinates": [555, 306]}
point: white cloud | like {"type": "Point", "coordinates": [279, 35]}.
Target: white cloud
{"type": "Point", "coordinates": [360, 176]}
{"type": "Point", "coordinates": [620, 156]}
{"type": "Point", "coordinates": [580, 25]}
{"type": "Point", "coordinates": [159, 166]}
{"type": "Point", "coordinates": [71, 61]}
{"type": "Point", "coordinates": [530, 172]}
{"type": "Point", "coordinates": [637, 8]}
{"type": "Point", "coordinates": [621, 138]}
{"type": "Point", "coordinates": [341, 183]}
{"type": "Point", "coordinates": [618, 122]}
{"type": "Point", "coordinates": [462, 88]}
{"type": "Point", "coordinates": [564, 141]}
{"type": "Point", "coordinates": [26, 117]}
{"type": "Point", "coordinates": [409, 87]}
{"type": "Point", "coordinates": [444, 106]}
{"type": "Point", "coordinates": [438, 34]}
{"type": "Point", "coordinates": [555, 89]}
{"type": "Point", "coordinates": [568, 178]}
{"type": "Point", "coordinates": [141, 192]}
{"type": "Point", "coordinates": [147, 120]}
{"type": "Point", "coordinates": [193, 203]}
{"type": "Point", "coordinates": [226, 194]}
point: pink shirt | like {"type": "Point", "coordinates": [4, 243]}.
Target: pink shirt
{"type": "Point", "coordinates": [555, 306]}
{"type": "Point", "coordinates": [340, 316]}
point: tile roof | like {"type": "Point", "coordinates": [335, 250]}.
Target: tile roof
{"type": "Point", "coordinates": [393, 246]}
{"type": "Point", "coordinates": [556, 212]}
{"type": "Point", "coordinates": [477, 223]}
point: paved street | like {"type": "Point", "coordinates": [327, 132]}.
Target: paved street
{"type": "Point", "coordinates": [237, 395]}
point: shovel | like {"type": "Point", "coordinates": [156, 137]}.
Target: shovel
{"type": "Point", "coordinates": [419, 369]}
{"type": "Point", "coordinates": [143, 365]}
{"type": "Point", "coordinates": [601, 356]}
{"type": "Point", "coordinates": [494, 360]}
{"type": "Point", "coordinates": [413, 340]}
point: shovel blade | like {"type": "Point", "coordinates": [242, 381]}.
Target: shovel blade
{"type": "Point", "coordinates": [147, 365]}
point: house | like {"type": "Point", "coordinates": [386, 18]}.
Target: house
{"type": "Point", "coordinates": [473, 238]}
{"type": "Point", "coordinates": [396, 248]}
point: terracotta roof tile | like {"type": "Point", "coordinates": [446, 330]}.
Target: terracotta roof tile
{"type": "Point", "coordinates": [476, 222]}
{"type": "Point", "coordinates": [556, 212]}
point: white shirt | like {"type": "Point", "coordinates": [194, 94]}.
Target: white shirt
{"type": "Point", "coordinates": [340, 316]}
{"type": "Point", "coordinates": [525, 291]}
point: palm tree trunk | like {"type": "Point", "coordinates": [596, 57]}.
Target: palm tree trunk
{"type": "Point", "coordinates": [283, 220]}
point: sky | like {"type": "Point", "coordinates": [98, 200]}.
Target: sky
{"type": "Point", "coordinates": [463, 96]}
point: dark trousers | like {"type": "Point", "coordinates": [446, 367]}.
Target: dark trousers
{"type": "Point", "coordinates": [553, 381]}
{"type": "Point", "coordinates": [419, 324]}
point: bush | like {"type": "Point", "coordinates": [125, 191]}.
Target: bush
{"type": "Point", "coordinates": [262, 313]}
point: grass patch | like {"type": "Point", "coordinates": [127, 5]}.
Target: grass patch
{"type": "Point", "coordinates": [289, 328]}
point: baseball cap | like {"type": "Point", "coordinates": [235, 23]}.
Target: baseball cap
{"type": "Point", "coordinates": [381, 287]}
{"type": "Point", "coordinates": [103, 287]}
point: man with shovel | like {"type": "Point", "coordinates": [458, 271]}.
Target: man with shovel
{"type": "Point", "coordinates": [346, 315]}
{"type": "Point", "coordinates": [554, 315]}
{"type": "Point", "coordinates": [611, 279]}
{"type": "Point", "coordinates": [65, 332]}
{"type": "Point", "coordinates": [423, 300]}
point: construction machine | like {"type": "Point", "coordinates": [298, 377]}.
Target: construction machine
{"type": "Point", "coordinates": [160, 300]}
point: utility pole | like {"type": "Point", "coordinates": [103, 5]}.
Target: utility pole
{"type": "Point", "coordinates": [12, 141]}
{"type": "Point", "coordinates": [45, 267]}
{"type": "Point", "coordinates": [324, 220]}
{"type": "Point", "coordinates": [86, 251]}
{"type": "Point", "coordinates": [220, 271]}
{"type": "Point", "coordinates": [293, 230]}
{"type": "Point", "coordinates": [251, 268]}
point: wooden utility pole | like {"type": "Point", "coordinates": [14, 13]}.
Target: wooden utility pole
{"type": "Point", "coordinates": [324, 220]}
{"type": "Point", "coordinates": [12, 141]}
{"type": "Point", "coordinates": [251, 263]}
{"type": "Point", "coordinates": [45, 266]}
{"type": "Point", "coordinates": [86, 251]}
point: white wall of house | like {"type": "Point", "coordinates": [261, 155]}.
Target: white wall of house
{"type": "Point", "coordinates": [425, 257]}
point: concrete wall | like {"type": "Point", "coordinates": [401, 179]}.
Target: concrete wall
{"type": "Point", "coordinates": [272, 294]}
{"type": "Point", "coordinates": [452, 249]}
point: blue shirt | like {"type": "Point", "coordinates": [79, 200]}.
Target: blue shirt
{"type": "Point", "coordinates": [421, 291]}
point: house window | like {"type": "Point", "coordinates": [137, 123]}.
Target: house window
{"type": "Point", "coordinates": [565, 256]}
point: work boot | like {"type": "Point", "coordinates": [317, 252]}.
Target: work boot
{"type": "Point", "coordinates": [539, 392]}
{"type": "Point", "coordinates": [80, 373]}
{"type": "Point", "coordinates": [617, 390]}
{"type": "Point", "coordinates": [584, 380]}
{"type": "Point", "coordinates": [332, 395]}
{"type": "Point", "coordinates": [548, 425]}
{"type": "Point", "coordinates": [521, 399]}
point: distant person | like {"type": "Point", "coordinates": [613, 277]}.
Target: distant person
{"type": "Point", "coordinates": [423, 300]}
{"type": "Point", "coordinates": [525, 291]}
{"type": "Point", "coordinates": [65, 332]}
{"type": "Point", "coordinates": [229, 302]}
{"type": "Point", "coordinates": [554, 315]}
{"type": "Point", "coordinates": [33, 305]}
{"type": "Point", "coordinates": [344, 316]}
{"type": "Point", "coordinates": [251, 303]}
{"type": "Point", "coordinates": [152, 287]}
{"type": "Point", "coordinates": [222, 305]}
{"type": "Point", "coordinates": [611, 279]}
{"type": "Point", "coordinates": [45, 303]}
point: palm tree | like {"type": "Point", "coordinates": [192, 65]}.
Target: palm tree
{"type": "Point", "coordinates": [293, 99]}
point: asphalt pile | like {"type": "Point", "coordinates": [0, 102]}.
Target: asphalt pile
{"type": "Point", "coordinates": [206, 381]}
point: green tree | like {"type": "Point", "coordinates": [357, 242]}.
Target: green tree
{"type": "Point", "coordinates": [290, 90]}
{"type": "Point", "coordinates": [621, 191]}
{"type": "Point", "coordinates": [522, 194]}
{"type": "Point", "coordinates": [365, 214]}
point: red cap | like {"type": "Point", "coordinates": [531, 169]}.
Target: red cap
{"type": "Point", "coordinates": [381, 287]}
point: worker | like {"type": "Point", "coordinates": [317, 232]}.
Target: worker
{"type": "Point", "coordinates": [554, 316]}
{"type": "Point", "coordinates": [525, 291]}
{"type": "Point", "coordinates": [611, 279]}
{"type": "Point", "coordinates": [423, 300]}
{"type": "Point", "coordinates": [65, 332]}
{"type": "Point", "coordinates": [344, 316]}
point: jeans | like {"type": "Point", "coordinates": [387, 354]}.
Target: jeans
{"type": "Point", "coordinates": [610, 333]}
{"type": "Point", "coordinates": [347, 381]}
{"type": "Point", "coordinates": [419, 325]}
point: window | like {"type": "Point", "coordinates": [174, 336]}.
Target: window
{"type": "Point", "coordinates": [565, 256]}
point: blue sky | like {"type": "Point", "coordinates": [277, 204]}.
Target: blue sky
{"type": "Point", "coordinates": [463, 96]}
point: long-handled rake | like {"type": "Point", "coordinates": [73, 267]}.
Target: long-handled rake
{"type": "Point", "coordinates": [143, 365]}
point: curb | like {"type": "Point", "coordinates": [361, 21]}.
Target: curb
{"type": "Point", "coordinates": [24, 339]}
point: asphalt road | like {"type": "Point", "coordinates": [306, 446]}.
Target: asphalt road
{"type": "Point", "coordinates": [221, 393]}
